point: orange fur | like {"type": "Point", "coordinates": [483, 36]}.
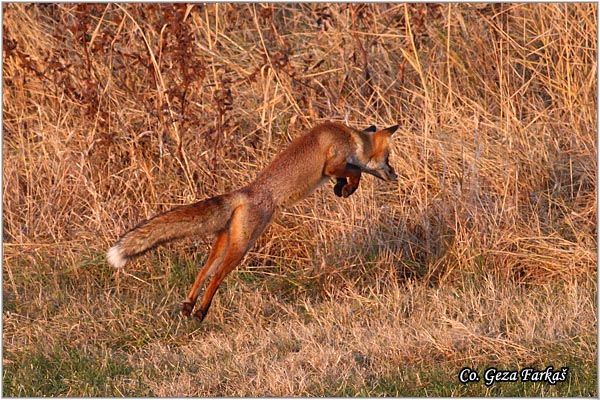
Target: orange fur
{"type": "Point", "coordinates": [238, 218]}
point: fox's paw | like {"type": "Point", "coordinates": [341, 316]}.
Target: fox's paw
{"type": "Point", "coordinates": [186, 308]}
{"type": "Point", "coordinates": [200, 314]}
{"type": "Point", "coordinates": [340, 183]}
{"type": "Point", "coordinates": [348, 189]}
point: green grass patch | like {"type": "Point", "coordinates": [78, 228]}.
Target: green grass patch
{"type": "Point", "coordinates": [68, 371]}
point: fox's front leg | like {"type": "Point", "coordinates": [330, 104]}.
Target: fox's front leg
{"type": "Point", "coordinates": [339, 184]}
{"type": "Point", "coordinates": [347, 178]}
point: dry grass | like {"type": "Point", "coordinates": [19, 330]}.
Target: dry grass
{"type": "Point", "coordinates": [483, 254]}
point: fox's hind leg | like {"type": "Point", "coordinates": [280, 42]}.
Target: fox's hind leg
{"type": "Point", "coordinates": [247, 224]}
{"type": "Point", "coordinates": [230, 261]}
{"type": "Point", "coordinates": [215, 258]}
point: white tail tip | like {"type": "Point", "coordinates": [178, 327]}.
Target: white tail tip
{"type": "Point", "coordinates": [115, 258]}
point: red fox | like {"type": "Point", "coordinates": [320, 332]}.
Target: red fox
{"type": "Point", "coordinates": [238, 218]}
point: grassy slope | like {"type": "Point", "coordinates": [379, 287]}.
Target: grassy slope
{"type": "Point", "coordinates": [483, 254]}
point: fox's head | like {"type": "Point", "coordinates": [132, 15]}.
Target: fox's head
{"type": "Point", "coordinates": [377, 164]}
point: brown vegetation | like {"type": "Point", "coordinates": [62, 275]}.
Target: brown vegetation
{"type": "Point", "coordinates": [483, 254]}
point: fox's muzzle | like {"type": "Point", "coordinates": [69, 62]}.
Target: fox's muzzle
{"type": "Point", "coordinates": [384, 174]}
{"type": "Point", "coordinates": [387, 175]}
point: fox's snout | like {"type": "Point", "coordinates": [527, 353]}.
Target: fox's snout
{"type": "Point", "coordinates": [384, 171]}
{"type": "Point", "coordinates": [388, 174]}
{"type": "Point", "coordinates": [385, 174]}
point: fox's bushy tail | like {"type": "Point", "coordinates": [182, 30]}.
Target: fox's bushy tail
{"type": "Point", "coordinates": [204, 217]}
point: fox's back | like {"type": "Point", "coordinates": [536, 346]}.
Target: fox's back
{"type": "Point", "coordinates": [298, 170]}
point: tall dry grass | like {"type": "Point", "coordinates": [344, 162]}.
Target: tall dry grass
{"type": "Point", "coordinates": [483, 253]}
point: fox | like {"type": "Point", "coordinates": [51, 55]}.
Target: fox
{"type": "Point", "coordinates": [236, 219]}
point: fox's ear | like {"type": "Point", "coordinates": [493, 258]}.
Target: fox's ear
{"type": "Point", "coordinates": [372, 128]}
{"type": "Point", "coordinates": [391, 129]}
